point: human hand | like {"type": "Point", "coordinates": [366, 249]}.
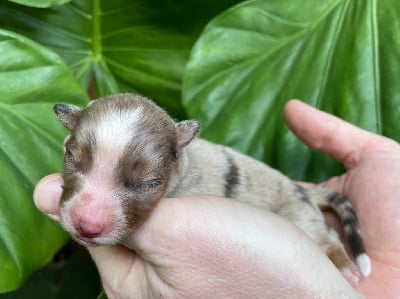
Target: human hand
{"type": "Point", "coordinates": [372, 183]}
{"type": "Point", "coordinates": [219, 248]}
{"type": "Point", "coordinates": [209, 247]}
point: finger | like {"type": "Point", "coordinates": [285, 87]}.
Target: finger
{"type": "Point", "coordinates": [47, 195]}
{"type": "Point", "coordinates": [327, 133]}
{"type": "Point", "coordinates": [121, 270]}
{"type": "Point", "coordinates": [113, 261]}
{"type": "Point", "coordinates": [198, 233]}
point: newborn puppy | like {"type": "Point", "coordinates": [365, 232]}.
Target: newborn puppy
{"type": "Point", "coordinates": [125, 153]}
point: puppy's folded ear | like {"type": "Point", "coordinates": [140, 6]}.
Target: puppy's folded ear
{"type": "Point", "coordinates": [67, 114]}
{"type": "Point", "coordinates": [185, 132]}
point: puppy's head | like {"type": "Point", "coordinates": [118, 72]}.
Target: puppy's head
{"type": "Point", "coordinates": [117, 164]}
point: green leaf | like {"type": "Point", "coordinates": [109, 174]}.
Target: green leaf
{"type": "Point", "coordinates": [102, 296]}
{"type": "Point", "coordinates": [74, 277]}
{"type": "Point", "coordinates": [32, 79]}
{"type": "Point", "coordinates": [40, 3]}
{"type": "Point", "coordinates": [337, 55]}
{"type": "Point", "coordinates": [123, 45]}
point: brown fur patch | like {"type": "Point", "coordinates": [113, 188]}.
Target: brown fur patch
{"type": "Point", "coordinates": [337, 255]}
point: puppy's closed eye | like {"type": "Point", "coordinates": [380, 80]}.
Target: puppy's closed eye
{"type": "Point", "coordinates": [147, 185]}
{"type": "Point", "coordinates": [153, 183]}
{"type": "Point", "coordinates": [70, 158]}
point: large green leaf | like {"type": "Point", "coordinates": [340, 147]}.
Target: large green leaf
{"type": "Point", "coordinates": [32, 79]}
{"type": "Point", "coordinates": [125, 45]}
{"type": "Point", "coordinates": [339, 55]}
{"type": "Point", "coordinates": [110, 45]}
{"type": "Point", "coordinates": [40, 3]}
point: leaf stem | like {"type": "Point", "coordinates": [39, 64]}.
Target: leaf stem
{"type": "Point", "coordinates": [96, 31]}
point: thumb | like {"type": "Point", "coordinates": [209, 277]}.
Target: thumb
{"type": "Point", "coordinates": [116, 263]}
{"type": "Point", "coordinates": [47, 194]}
{"type": "Point", "coordinates": [327, 133]}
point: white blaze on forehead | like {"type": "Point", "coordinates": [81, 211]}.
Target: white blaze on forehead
{"type": "Point", "coordinates": [113, 134]}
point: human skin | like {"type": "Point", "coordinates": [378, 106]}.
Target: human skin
{"type": "Point", "coordinates": [371, 181]}
{"type": "Point", "coordinates": [207, 247]}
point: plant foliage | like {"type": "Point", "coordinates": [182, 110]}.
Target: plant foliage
{"type": "Point", "coordinates": [340, 56]}
{"type": "Point", "coordinates": [231, 66]}
{"type": "Point", "coordinates": [32, 80]}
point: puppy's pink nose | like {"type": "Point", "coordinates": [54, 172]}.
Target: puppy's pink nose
{"type": "Point", "coordinates": [89, 229]}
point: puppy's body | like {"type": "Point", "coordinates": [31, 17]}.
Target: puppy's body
{"type": "Point", "coordinates": [125, 153]}
{"type": "Point", "coordinates": [207, 168]}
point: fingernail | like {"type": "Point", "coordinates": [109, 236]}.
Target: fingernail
{"type": "Point", "coordinates": [47, 195]}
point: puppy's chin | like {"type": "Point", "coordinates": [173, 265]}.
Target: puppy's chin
{"type": "Point", "coordinates": [97, 241]}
